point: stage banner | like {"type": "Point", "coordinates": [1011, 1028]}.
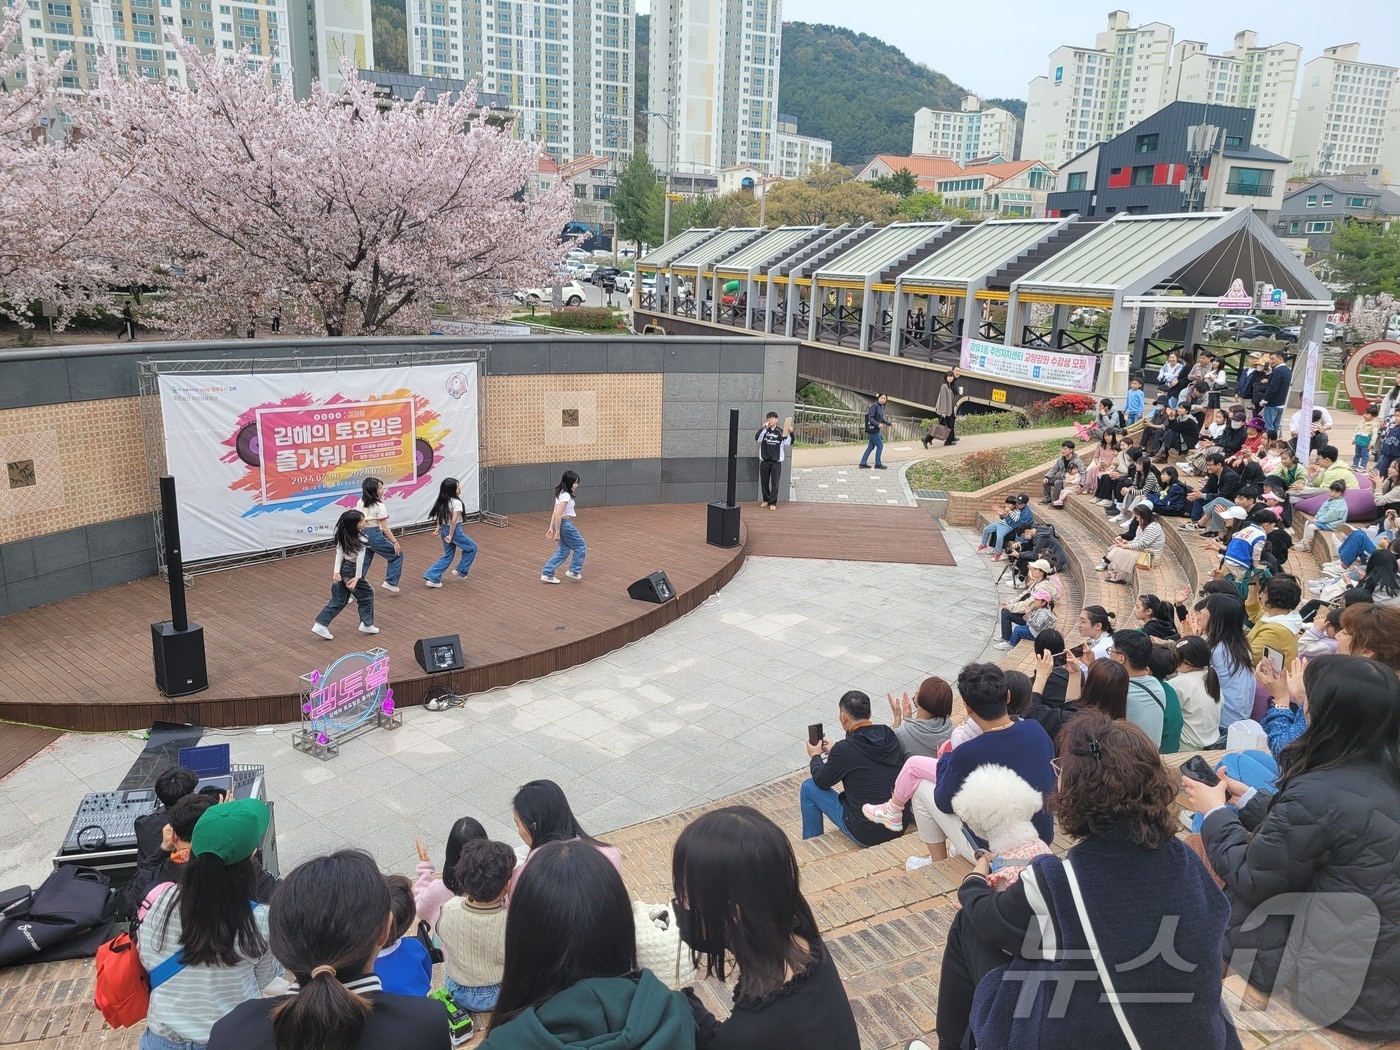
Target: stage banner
{"type": "Point", "coordinates": [271, 460]}
{"type": "Point", "coordinates": [1046, 367]}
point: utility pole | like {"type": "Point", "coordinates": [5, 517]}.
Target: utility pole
{"type": "Point", "coordinates": [1200, 148]}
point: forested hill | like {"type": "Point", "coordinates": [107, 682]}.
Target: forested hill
{"type": "Point", "coordinates": [857, 91]}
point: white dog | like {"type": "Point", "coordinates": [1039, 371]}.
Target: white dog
{"type": "Point", "coordinates": [997, 804]}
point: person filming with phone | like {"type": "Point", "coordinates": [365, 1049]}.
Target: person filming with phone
{"type": "Point", "coordinates": [865, 764]}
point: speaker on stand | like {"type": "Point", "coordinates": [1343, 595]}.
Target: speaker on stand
{"type": "Point", "coordinates": [722, 518]}
{"type": "Point", "coordinates": [177, 645]}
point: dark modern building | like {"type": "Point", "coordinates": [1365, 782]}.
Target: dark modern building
{"type": "Point", "coordinates": [1143, 170]}
{"type": "Point", "coordinates": [1316, 211]}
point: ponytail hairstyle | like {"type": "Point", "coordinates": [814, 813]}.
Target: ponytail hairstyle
{"type": "Point", "coordinates": [1160, 608]}
{"type": "Point", "coordinates": [1195, 652]}
{"type": "Point", "coordinates": [566, 484]}
{"type": "Point", "coordinates": [347, 533]}
{"type": "Point", "coordinates": [371, 490]}
{"type": "Point", "coordinates": [442, 506]}
{"type": "Point", "coordinates": [1099, 617]}
{"type": "Point", "coordinates": [327, 920]}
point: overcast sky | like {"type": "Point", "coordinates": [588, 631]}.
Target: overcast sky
{"type": "Point", "coordinates": [994, 49]}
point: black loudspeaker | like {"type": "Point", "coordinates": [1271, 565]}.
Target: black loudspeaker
{"type": "Point", "coordinates": [722, 525]}
{"type": "Point", "coordinates": [179, 658]}
{"type": "Point", "coordinates": [654, 588]}
{"type": "Point", "coordinates": [436, 655]}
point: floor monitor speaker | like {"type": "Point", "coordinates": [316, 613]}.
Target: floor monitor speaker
{"type": "Point", "coordinates": [654, 588]}
{"type": "Point", "coordinates": [436, 655]}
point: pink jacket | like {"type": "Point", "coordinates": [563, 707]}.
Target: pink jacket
{"type": "Point", "coordinates": [608, 851]}
{"type": "Point", "coordinates": [429, 893]}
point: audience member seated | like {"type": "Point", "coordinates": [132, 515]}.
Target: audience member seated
{"type": "Point", "coordinates": [328, 921]}
{"type": "Point", "coordinates": [1328, 471]}
{"type": "Point", "coordinates": [1381, 579]}
{"type": "Point", "coordinates": [1122, 558]}
{"type": "Point", "coordinates": [924, 724]}
{"type": "Point", "coordinates": [865, 764]}
{"type": "Point", "coordinates": [403, 965]}
{"type": "Point", "coordinates": [1017, 516]}
{"type": "Point", "coordinates": [207, 919]}
{"type": "Point", "coordinates": [1315, 842]}
{"type": "Point", "coordinates": [1147, 698]}
{"type": "Point", "coordinates": [1156, 617]}
{"type": "Point", "coordinates": [472, 927]}
{"type": "Point", "coordinates": [433, 889]}
{"type": "Point", "coordinates": [170, 787]}
{"type": "Point", "coordinates": [1198, 692]}
{"type": "Point", "coordinates": [172, 851]}
{"type": "Point", "coordinates": [1103, 688]}
{"type": "Point", "coordinates": [1021, 746]}
{"type": "Point", "coordinates": [1220, 485]}
{"type": "Point", "coordinates": [1319, 638]}
{"type": "Point", "coordinates": [1116, 798]}
{"type": "Point", "coordinates": [1050, 687]}
{"type": "Point", "coordinates": [1095, 626]}
{"type": "Point", "coordinates": [542, 815]}
{"type": "Point", "coordinates": [571, 977]}
{"type": "Point", "coordinates": [1273, 609]}
{"type": "Point", "coordinates": [1170, 499]}
{"type": "Point", "coordinates": [1327, 517]}
{"type": "Point", "coordinates": [739, 907]}
{"type": "Point", "coordinates": [1219, 619]}
{"type": "Point", "coordinates": [1066, 477]}
{"type": "Point", "coordinates": [1022, 621]}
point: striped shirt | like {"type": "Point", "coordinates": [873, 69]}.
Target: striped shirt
{"type": "Point", "coordinates": [186, 1006]}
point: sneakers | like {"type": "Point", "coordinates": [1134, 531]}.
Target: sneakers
{"type": "Point", "coordinates": [1003, 646]}
{"type": "Point", "coordinates": [915, 863]}
{"type": "Point", "coordinates": [573, 575]}
{"type": "Point", "coordinates": [368, 628]}
{"type": "Point", "coordinates": [432, 583]}
{"type": "Point", "coordinates": [997, 556]}
{"type": "Point", "coordinates": [1104, 502]}
{"type": "Point", "coordinates": [545, 578]}
{"type": "Point", "coordinates": [392, 588]}
{"type": "Point", "coordinates": [323, 631]}
{"type": "Point", "coordinates": [885, 813]}
{"type": "Point", "coordinates": [1102, 566]}
{"type": "Point", "coordinates": [459, 575]}
{"type": "Point", "coordinates": [981, 547]}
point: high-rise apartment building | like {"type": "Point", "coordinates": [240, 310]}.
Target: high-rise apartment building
{"type": "Point", "coordinates": [1065, 109]}
{"type": "Point", "coordinates": [973, 130]}
{"type": "Point", "coordinates": [714, 82]}
{"type": "Point", "coordinates": [1141, 60]}
{"type": "Point", "coordinates": [1261, 78]}
{"type": "Point", "coordinates": [796, 155]}
{"type": "Point", "coordinates": [564, 67]}
{"type": "Point", "coordinates": [326, 33]}
{"type": "Point", "coordinates": [1344, 110]}
{"type": "Point", "coordinates": [134, 31]}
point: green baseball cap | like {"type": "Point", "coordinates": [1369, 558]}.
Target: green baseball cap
{"type": "Point", "coordinates": [231, 830]}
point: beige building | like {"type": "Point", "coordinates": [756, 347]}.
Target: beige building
{"type": "Point", "coordinates": [1345, 108]}
{"type": "Point", "coordinates": [971, 131]}
{"type": "Point", "coordinates": [797, 155]}
{"type": "Point", "coordinates": [1261, 78]}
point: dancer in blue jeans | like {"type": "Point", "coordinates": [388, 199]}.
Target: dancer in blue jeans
{"type": "Point", "coordinates": [448, 512]}
{"type": "Point", "coordinates": [561, 528]}
{"type": "Point", "coordinates": [379, 538]}
{"type": "Point", "coordinates": [348, 577]}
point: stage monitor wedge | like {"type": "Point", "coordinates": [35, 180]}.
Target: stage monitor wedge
{"type": "Point", "coordinates": [439, 655]}
{"type": "Point", "coordinates": [654, 588]}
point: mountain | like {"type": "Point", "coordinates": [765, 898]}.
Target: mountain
{"type": "Point", "coordinates": [857, 91]}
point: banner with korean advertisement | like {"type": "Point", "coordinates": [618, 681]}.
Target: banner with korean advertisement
{"type": "Point", "coordinates": [1045, 367]}
{"type": "Point", "coordinates": [271, 460]}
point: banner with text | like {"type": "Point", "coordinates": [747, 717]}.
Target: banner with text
{"type": "Point", "coordinates": [1046, 367]}
{"type": "Point", "coordinates": [266, 461]}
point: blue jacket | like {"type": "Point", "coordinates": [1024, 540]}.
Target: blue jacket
{"type": "Point", "coordinates": [1019, 519]}
{"type": "Point", "coordinates": [1174, 499]}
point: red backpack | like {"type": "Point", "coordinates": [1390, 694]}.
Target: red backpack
{"type": "Point", "coordinates": [123, 991]}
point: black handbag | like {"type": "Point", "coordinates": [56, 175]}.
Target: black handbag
{"type": "Point", "coordinates": [65, 918]}
{"type": "Point", "coordinates": [425, 938]}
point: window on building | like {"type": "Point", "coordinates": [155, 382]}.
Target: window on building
{"type": "Point", "coordinates": [1293, 227]}
{"type": "Point", "coordinates": [1320, 227]}
{"type": "Point", "coordinates": [1311, 201]}
{"type": "Point", "coordinates": [1250, 182]}
{"type": "Point", "coordinates": [1077, 180]}
{"type": "Point", "coordinates": [1356, 202]}
{"type": "Point", "coordinates": [1142, 175]}
{"type": "Point", "coordinates": [1327, 200]}
{"type": "Point", "coordinates": [1145, 144]}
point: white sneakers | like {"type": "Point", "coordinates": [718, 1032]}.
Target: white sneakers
{"type": "Point", "coordinates": [549, 579]}
{"type": "Point", "coordinates": [368, 628]}
{"type": "Point", "coordinates": [390, 587]}
{"type": "Point", "coordinates": [573, 575]}
{"type": "Point", "coordinates": [1003, 646]}
{"type": "Point", "coordinates": [432, 583]}
{"type": "Point", "coordinates": [324, 632]}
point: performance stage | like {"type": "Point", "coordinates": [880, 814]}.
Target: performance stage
{"type": "Point", "coordinates": [86, 664]}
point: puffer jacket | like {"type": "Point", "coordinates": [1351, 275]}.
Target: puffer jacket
{"type": "Point", "coordinates": [1332, 838]}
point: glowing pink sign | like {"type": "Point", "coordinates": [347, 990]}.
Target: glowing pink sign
{"type": "Point", "coordinates": [349, 693]}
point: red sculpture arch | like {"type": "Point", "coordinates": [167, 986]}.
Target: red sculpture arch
{"type": "Point", "coordinates": [1351, 374]}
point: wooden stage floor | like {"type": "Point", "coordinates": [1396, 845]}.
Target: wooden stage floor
{"type": "Point", "coordinates": [86, 663]}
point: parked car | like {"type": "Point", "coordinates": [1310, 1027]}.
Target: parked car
{"type": "Point", "coordinates": [1265, 331]}
{"type": "Point", "coordinates": [605, 275]}
{"type": "Point", "coordinates": [1231, 323]}
{"type": "Point", "coordinates": [624, 282]}
{"type": "Point", "coordinates": [1331, 332]}
{"type": "Point", "coordinates": [585, 271]}
{"type": "Point", "coordinates": [571, 293]}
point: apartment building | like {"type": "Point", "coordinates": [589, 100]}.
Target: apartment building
{"type": "Point", "coordinates": [1138, 78]}
{"type": "Point", "coordinates": [1065, 109]}
{"type": "Point", "coordinates": [971, 131]}
{"type": "Point", "coordinates": [135, 32]}
{"type": "Point", "coordinates": [1261, 78]}
{"type": "Point", "coordinates": [564, 67]}
{"type": "Point", "coordinates": [796, 155]}
{"type": "Point", "coordinates": [1344, 110]}
{"type": "Point", "coordinates": [1007, 188]}
{"type": "Point", "coordinates": [714, 84]}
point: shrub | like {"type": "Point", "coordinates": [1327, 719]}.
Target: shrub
{"type": "Point", "coordinates": [1072, 404]}
{"type": "Point", "coordinates": [985, 467]}
{"type": "Point", "coordinates": [585, 318]}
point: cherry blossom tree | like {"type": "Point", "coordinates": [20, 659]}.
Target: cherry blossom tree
{"type": "Point", "coordinates": [1371, 315]}
{"type": "Point", "coordinates": [344, 211]}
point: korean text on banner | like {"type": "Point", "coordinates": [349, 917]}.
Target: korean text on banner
{"type": "Point", "coordinates": [1305, 405]}
{"type": "Point", "coordinates": [1044, 367]}
{"type": "Point", "coordinates": [331, 448]}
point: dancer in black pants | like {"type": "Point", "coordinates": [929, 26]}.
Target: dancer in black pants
{"type": "Point", "coordinates": [772, 442]}
{"type": "Point", "coordinates": [349, 577]}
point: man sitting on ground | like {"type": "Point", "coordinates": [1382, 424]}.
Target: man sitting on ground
{"type": "Point", "coordinates": [1221, 483]}
{"type": "Point", "coordinates": [865, 764]}
{"type": "Point", "coordinates": [1068, 470]}
{"type": "Point", "coordinates": [1328, 471]}
{"type": "Point", "coordinates": [171, 786]}
{"type": "Point", "coordinates": [1147, 699]}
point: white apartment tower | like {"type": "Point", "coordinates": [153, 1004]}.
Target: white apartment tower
{"type": "Point", "coordinates": [1065, 109]}
{"type": "Point", "coordinates": [714, 80]}
{"type": "Point", "coordinates": [964, 134]}
{"type": "Point", "coordinates": [797, 155]}
{"type": "Point", "coordinates": [1248, 75]}
{"type": "Point", "coordinates": [565, 67]}
{"type": "Point", "coordinates": [1344, 110]}
{"type": "Point", "coordinates": [1140, 62]}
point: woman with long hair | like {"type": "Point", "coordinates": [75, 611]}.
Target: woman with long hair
{"type": "Point", "coordinates": [1100, 902]}
{"type": "Point", "coordinates": [379, 537]}
{"type": "Point", "coordinates": [1198, 689]}
{"type": "Point", "coordinates": [1381, 578]}
{"type": "Point", "coordinates": [348, 577]}
{"type": "Point", "coordinates": [1320, 847]}
{"type": "Point", "coordinates": [571, 976]}
{"type": "Point", "coordinates": [1121, 559]}
{"type": "Point", "coordinates": [543, 815]}
{"type": "Point", "coordinates": [330, 917]}
{"type": "Point", "coordinates": [433, 889]}
{"type": "Point", "coordinates": [738, 906]}
{"type": "Point", "coordinates": [448, 512]}
{"type": "Point", "coordinates": [1170, 500]}
{"type": "Point", "coordinates": [1101, 462]}
{"type": "Point", "coordinates": [1102, 688]}
{"type": "Point", "coordinates": [208, 920]}
{"type": "Point", "coordinates": [562, 529]}
{"type": "Point", "coordinates": [1219, 619]}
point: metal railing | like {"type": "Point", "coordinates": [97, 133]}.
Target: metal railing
{"type": "Point", "coordinates": [842, 426]}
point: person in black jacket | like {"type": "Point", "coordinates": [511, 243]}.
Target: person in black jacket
{"type": "Point", "coordinates": [170, 787]}
{"type": "Point", "coordinates": [738, 905]}
{"type": "Point", "coordinates": [1276, 392]}
{"type": "Point", "coordinates": [865, 764]}
{"type": "Point", "coordinates": [772, 440]}
{"type": "Point", "coordinates": [327, 923]}
{"type": "Point", "coordinates": [875, 424]}
{"type": "Point", "coordinates": [1221, 483]}
{"type": "Point", "coordinates": [1312, 870]}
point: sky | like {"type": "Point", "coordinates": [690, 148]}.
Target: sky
{"type": "Point", "coordinates": [995, 50]}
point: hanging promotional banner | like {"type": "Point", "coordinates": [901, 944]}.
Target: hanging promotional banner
{"type": "Point", "coordinates": [271, 460]}
{"type": "Point", "coordinates": [1305, 403]}
{"type": "Point", "coordinates": [1046, 367]}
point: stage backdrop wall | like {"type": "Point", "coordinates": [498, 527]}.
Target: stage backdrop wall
{"type": "Point", "coordinates": [643, 419]}
{"type": "Point", "coordinates": [270, 460]}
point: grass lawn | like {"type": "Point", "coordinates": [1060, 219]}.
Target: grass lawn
{"type": "Point", "coordinates": [978, 469]}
